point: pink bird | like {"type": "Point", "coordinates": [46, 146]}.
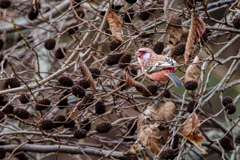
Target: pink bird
{"type": "Point", "coordinates": [157, 67]}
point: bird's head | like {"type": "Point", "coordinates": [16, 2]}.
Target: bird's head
{"type": "Point", "coordinates": [144, 54]}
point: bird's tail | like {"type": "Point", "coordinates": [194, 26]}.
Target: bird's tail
{"type": "Point", "coordinates": [175, 79]}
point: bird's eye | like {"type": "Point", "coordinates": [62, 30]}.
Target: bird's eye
{"type": "Point", "coordinates": [144, 51]}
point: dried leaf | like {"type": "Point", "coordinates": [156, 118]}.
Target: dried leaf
{"type": "Point", "coordinates": [174, 29]}
{"type": "Point", "coordinates": [139, 86]}
{"type": "Point", "coordinates": [150, 138]}
{"type": "Point", "coordinates": [190, 133]}
{"type": "Point", "coordinates": [80, 65]}
{"type": "Point", "coordinates": [151, 126]}
{"type": "Point", "coordinates": [197, 28]}
{"type": "Point", "coordinates": [193, 71]}
{"type": "Point", "coordinates": [115, 26]}
{"type": "Point", "coordinates": [238, 2]}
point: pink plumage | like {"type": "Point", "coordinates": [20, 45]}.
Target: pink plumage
{"type": "Point", "coordinates": [157, 67]}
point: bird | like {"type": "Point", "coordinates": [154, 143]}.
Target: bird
{"type": "Point", "coordinates": [157, 67]}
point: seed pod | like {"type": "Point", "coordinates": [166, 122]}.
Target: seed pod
{"type": "Point", "coordinates": [65, 81]}
{"type": "Point", "coordinates": [21, 113]}
{"type": "Point", "coordinates": [179, 49]}
{"type": "Point", "coordinates": [50, 44]}
{"type": "Point", "coordinates": [4, 4]}
{"type": "Point", "coordinates": [8, 109]}
{"type": "Point", "coordinates": [86, 101]}
{"type": "Point", "coordinates": [191, 85]}
{"type": "Point", "coordinates": [226, 100]}
{"type": "Point", "coordinates": [191, 106]}
{"type": "Point", "coordinates": [124, 61]}
{"type": "Point", "coordinates": [69, 124]}
{"type": "Point", "coordinates": [73, 28]}
{"type": "Point", "coordinates": [100, 108]}
{"type": "Point", "coordinates": [46, 124]}
{"type": "Point", "coordinates": [58, 121]}
{"type": "Point", "coordinates": [103, 127]}
{"type": "Point", "coordinates": [226, 143]}
{"type": "Point", "coordinates": [128, 17]}
{"type": "Point", "coordinates": [59, 53]}
{"type": "Point", "coordinates": [83, 83]}
{"type": "Point", "coordinates": [167, 153]}
{"type": "Point", "coordinates": [237, 139]}
{"type": "Point", "coordinates": [144, 15]}
{"type": "Point", "coordinates": [12, 82]}
{"type": "Point", "coordinates": [32, 14]}
{"type": "Point", "coordinates": [81, 133]}
{"type": "Point", "coordinates": [158, 47]}
{"type": "Point", "coordinates": [114, 44]}
{"type": "Point", "coordinates": [78, 91]}
{"type": "Point", "coordinates": [24, 98]}
{"type": "Point", "coordinates": [42, 104]}
{"type": "Point", "coordinates": [86, 124]}
{"type": "Point", "coordinates": [62, 102]}
{"type": "Point", "coordinates": [236, 22]}
{"type": "Point", "coordinates": [152, 89]}
{"type": "Point", "coordinates": [113, 59]}
{"type": "Point", "coordinates": [175, 142]}
{"type": "Point", "coordinates": [230, 108]}
{"type": "Point", "coordinates": [95, 72]}
{"type": "Point", "coordinates": [167, 94]}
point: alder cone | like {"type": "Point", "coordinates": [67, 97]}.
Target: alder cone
{"type": "Point", "coordinates": [236, 22]}
{"type": "Point", "coordinates": [59, 53]}
{"type": "Point", "coordinates": [32, 15]}
{"type": "Point", "coordinates": [81, 133]}
{"type": "Point", "coordinates": [4, 4]}
{"type": "Point", "coordinates": [24, 98]}
{"type": "Point", "coordinates": [127, 18]}
{"type": "Point", "coordinates": [226, 100]}
{"type": "Point", "coordinates": [230, 108]}
{"type": "Point", "coordinates": [95, 72]}
{"type": "Point", "coordinates": [42, 104]}
{"type": "Point", "coordinates": [158, 47]}
{"type": "Point", "coordinates": [58, 121]}
{"type": "Point", "coordinates": [46, 124]}
{"type": "Point", "coordinates": [100, 108]}
{"type": "Point", "coordinates": [21, 113]}
{"type": "Point", "coordinates": [167, 153]}
{"type": "Point", "coordinates": [65, 81]}
{"type": "Point", "coordinates": [144, 15]}
{"type": "Point", "coordinates": [124, 61]}
{"type": "Point", "coordinates": [50, 44]}
{"type": "Point", "coordinates": [78, 91]}
{"type": "Point", "coordinates": [12, 82]}
{"type": "Point", "coordinates": [86, 124]}
{"type": "Point", "coordinates": [103, 127]}
{"type": "Point", "coordinates": [83, 83]}
{"type": "Point", "coordinates": [69, 124]}
{"type": "Point", "coordinates": [226, 143]}
{"type": "Point", "coordinates": [8, 109]}
{"type": "Point", "coordinates": [113, 59]}
{"type": "Point", "coordinates": [237, 139]}
{"type": "Point", "coordinates": [114, 44]}
{"type": "Point", "coordinates": [179, 49]}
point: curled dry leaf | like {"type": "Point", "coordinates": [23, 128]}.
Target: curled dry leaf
{"type": "Point", "coordinates": [197, 28]}
{"type": "Point", "coordinates": [238, 2]}
{"type": "Point", "coordinates": [193, 71]}
{"type": "Point", "coordinates": [139, 86]}
{"type": "Point", "coordinates": [115, 26]}
{"type": "Point", "coordinates": [174, 29]}
{"type": "Point", "coordinates": [80, 65]}
{"type": "Point", "coordinates": [34, 5]}
{"type": "Point", "coordinates": [190, 132]}
{"type": "Point", "coordinates": [153, 131]}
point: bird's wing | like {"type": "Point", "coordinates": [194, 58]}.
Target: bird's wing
{"type": "Point", "coordinates": [159, 63]}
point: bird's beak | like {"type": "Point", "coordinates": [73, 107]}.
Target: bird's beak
{"type": "Point", "coordinates": [137, 53]}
